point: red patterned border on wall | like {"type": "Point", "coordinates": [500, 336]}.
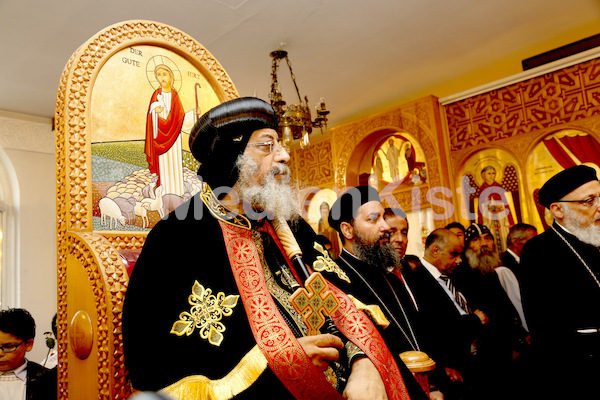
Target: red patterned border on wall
{"type": "Point", "coordinates": [562, 96]}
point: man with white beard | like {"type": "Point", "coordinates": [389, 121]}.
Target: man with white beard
{"type": "Point", "coordinates": [503, 339]}
{"type": "Point", "coordinates": [208, 311]}
{"type": "Point", "coordinates": [561, 288]}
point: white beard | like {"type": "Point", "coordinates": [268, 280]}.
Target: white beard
{"type": "Point", "coordinates": [587, 232]}
{"type": "Point", "coordinates": [272, 197]}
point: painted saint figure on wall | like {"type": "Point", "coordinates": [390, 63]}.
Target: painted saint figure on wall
{"type": "Point", "coordinates": [163, 133]}
{"type": "Point", "coordinates": [494, 211]}
{"type": "Point", "coordinates": [392, 155]}
{"type": "Point", "coordinates": [326, 230]}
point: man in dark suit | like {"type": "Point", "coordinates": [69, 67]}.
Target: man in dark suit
{"type": "Point", "coordinates": [449, 325]}
{"type": "Point", "coordinates": [560, 285]}
{"type": "Point", "coordinates": [518, 235]}
{"type": "Point", "coordinates": [19, 376]}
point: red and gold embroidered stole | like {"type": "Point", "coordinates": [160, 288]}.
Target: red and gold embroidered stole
{"type": "Point", "coordinates": [283, 352]}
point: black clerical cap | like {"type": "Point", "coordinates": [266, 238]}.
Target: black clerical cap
{"type": "Point", "coordinates": [565, 182]}
{"type": "Point", "coordinates": [221, 134]}
{"type": "Point", "coordinates": [344, 208]}
{"type": "Point", "coordinates": [474, 231]}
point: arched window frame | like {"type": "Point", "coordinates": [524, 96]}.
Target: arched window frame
{"type": "Point", "coordinates": [9, 230]}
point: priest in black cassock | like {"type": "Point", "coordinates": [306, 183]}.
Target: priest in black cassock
{"type": "Point", "coordinates": [363, 269]}
{"type": "Point", "coordinates": [560, 285]}
{"type": "Point", "coordinates": [207, 314]}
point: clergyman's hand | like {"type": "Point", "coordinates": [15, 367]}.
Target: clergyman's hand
{"type": "Point", "coordinates": [454, 375]}
{"type": "Point", "coordinates": [321, 349]}
{"type": "Point", "coordinates": [364, 382]}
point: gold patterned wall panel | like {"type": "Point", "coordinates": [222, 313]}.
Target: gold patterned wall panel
{"type": "Point", "coordinates": [514, 120]}
{"type": "Point", "coordinates": [83, 111]}
{"type": "Point", "coordinates": [312, 166]}
{"type": "Point", "coordinates": [560, 97]}
{"type": "Point", "coordinates": [419, 120]}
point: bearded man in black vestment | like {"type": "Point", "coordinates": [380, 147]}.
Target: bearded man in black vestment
{"type": "Point", "coordinates": [365, 268]}
{"type": "Point", "coordinates": [207, 313]}
{"type": "Point", "coordinates": [561, 288]}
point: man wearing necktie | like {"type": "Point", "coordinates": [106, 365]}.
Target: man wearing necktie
{"type": "Point", "coordinates": [396, 219]}
{"type": "Point", "coordinates": [449, 326]}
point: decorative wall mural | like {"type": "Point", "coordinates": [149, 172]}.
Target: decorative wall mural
{"type": "Point", "coordinates": [318, 212]}
{"type": "Point", "coordinates": [399, 160]}
{"type": "Point", "coordinates": [145, 101]}
{"type": "Point", "coordinates": [558, 151]}
{"type": "Point", "coordinates": [491, 193]}
{"type": "Point", "coordinates": [563, 96]}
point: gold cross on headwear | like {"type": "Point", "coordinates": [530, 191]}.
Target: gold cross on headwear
{"type": "Point", "coordinates": [313, 302]}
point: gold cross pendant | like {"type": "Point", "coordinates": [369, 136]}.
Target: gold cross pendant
{"type": "Point", "coordinates": [314, 302]}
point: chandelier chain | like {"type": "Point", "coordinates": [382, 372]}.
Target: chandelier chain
{"type": "Point", "coordinates": [294, 79]}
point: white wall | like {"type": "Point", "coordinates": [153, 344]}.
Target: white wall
{"type": "Point", "coordinates": [28, 143]}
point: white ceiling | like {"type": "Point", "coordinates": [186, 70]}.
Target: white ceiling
{"type": "Point", "coordinates": [363, 56]}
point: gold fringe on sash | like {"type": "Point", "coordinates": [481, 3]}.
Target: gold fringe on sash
{"type": "Point", "coordinates": [236, 381]}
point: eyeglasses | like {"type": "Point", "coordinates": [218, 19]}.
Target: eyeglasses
{"type": "Point", "coordinates": [268, 147]}
{"type": "Point", "coordinates": [589, 202]}
{"type": "Point", "coordinates": [10, 348]}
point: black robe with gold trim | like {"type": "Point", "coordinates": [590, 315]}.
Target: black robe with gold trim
{"type": "Point", "coordinates": [183, 253]}
{"type": "Point", "coordinates": [185, 248]}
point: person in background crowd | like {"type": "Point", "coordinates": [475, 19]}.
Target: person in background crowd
{"type": "Point", "coordinates": [458, 229]}
{"type": "Point", "coordinates": [51, 360]}
{"type": "Point", "coordinates": [518, 235]}
{"type": "Point", "coordinates": [503, 340]}
{"type": "Point", "coordinates": [396, 219]}
{"type": "Point", "coordinates": [20, 378]}
{"type": "Point", "coordinates": [449, 324]}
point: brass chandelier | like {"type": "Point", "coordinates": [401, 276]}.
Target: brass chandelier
{"type": "Point", "coordinates": [295, 121]}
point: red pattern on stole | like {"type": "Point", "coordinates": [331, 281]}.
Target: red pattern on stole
{"type": "Point", "coordinates": [283, 352]}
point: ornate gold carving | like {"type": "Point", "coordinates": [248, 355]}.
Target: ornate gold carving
{"type": "Point", "coordinates": [325, 263]}
{"type": "Point", "coordinates": [105, 273]}
{"type": "Point", "coordinates": [206, 313]}
{"type": "Point", "coordinates": [74, 194]}
{"type": "Point", "coordinates": [126, 241]}
{"type": "Point", "coordinates": [61, 317]}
